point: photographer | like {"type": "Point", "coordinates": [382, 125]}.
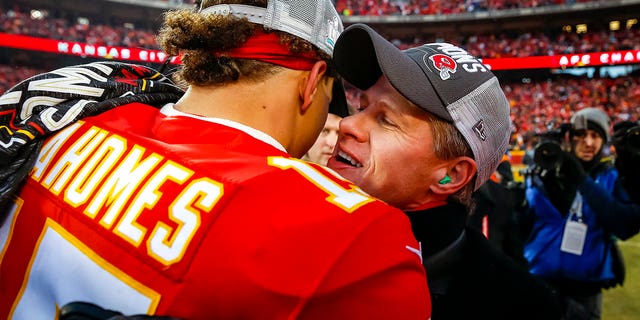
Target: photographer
{"type": "Point", "coordinates": [578, 207]}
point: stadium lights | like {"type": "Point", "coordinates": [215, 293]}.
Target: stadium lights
{"type": "Point", "coordinates": [37, 14]}
{"type": "Point", "coordinates": [83, 21]}
{"type": "Point", "coordinates": [614, 25]}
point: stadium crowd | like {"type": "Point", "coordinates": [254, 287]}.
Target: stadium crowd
{"type": "Point", "coordinates": [427, 7]}
{"type": "Point", "coordinates": [537, 107]}
{"type": "Point", "coordinates": [18, 20]}
{"type": "Point", "coordinates": [527, 44]}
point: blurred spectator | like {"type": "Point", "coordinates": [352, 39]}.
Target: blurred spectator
{"type": "Point", "coordinates": [494, 213]}
{"type": "Point", "coordinates": [322, 149]}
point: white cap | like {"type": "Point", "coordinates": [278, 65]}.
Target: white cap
{"type": "Point", "coordinates": [316, 21]}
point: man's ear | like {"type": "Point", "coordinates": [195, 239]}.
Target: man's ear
{"type": "Point", "coordinates": [309, 84]}
{"type": "Point", "coordinates": [460, 171]}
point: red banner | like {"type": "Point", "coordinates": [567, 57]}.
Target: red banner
{"type": "Point", "coordinates": [157, 56]}
{"type": "Point", "coordinates": [82, 49]}
{"type": "Point", "coordinates": [566, 60]}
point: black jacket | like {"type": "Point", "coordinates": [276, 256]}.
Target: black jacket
{"type": "Point", "coordinates": [471, 279]}
{"type": "Point", "coordinates": [495, 205]}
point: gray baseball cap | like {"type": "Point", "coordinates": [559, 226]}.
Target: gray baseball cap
{"type": "Point", "coordinates": [440, 78]}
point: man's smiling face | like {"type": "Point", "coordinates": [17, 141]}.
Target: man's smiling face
{"type": "Point", "coordinates": [387, 147]}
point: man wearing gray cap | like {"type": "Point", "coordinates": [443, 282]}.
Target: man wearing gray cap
{"type": "Point", "coordinates": [432, 126]}
{"type": "Point", "coordinates": [577, 205]}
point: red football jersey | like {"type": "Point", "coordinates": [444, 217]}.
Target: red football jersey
{"type": "Point", "coordinates": [147, 212]}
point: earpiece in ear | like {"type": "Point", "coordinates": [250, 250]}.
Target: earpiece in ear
{"type": "Point", "coordinates": [445, 180]}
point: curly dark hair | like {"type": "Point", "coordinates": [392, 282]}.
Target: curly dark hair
{"type": "Point", "coordinates": [196, 36]}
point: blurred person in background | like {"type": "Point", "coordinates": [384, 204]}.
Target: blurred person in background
{"type": "Point", "coordinates": [340, 107]}
{"type": "Point", "coordinates": [626, 141]}
{"type": "Point", "coordinates": [577, 209]}
{"type": "Point", "coordinates": [188, 204]}
{"type": "Point", "coordinates": [322, 149]}
{"type": "Point", "coordinates": [432, 127]}
{"type": "Point", "coordinates": [494, 212]}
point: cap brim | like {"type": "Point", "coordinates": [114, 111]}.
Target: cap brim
{"type": "Point", "coordinates": [361, 56]}
{"type": "Point", "coordinates": [338, 105]}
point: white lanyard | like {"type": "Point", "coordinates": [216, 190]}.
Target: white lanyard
{"type": "Point", "coordinates": [575, 232]}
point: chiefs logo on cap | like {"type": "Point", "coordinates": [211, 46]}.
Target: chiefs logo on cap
{"type": "Point", "coordinates": [445, 64]}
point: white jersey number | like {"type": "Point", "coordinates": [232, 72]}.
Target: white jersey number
{"type": "Point", "coordinates": [347, 199]}
{"type": "Point", "coordinates": [73, 273]}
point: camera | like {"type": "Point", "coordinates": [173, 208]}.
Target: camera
{"type": "Point", "coordinates": [548, 154]}
{"type": "Point", "coordinates": [626, 139]}
{"type": "Point", "coordinates": [630, 140]}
